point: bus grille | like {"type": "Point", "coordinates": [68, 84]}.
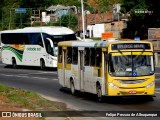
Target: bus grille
{"type": "Point", "coordinates": [132, 81]}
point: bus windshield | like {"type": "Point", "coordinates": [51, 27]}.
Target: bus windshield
{"type": "Point", "coordinates": [55, 39]}
{"type": "Point", "coordinates": [131, 64]}
{"type": "Point", "coordinates": [58, 38]}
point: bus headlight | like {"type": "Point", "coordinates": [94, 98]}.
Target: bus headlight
{"type": "Point", "coordinates": [150, 84]}
{"type": "Point", "coordinates": [112, 85]}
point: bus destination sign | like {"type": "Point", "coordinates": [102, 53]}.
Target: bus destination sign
{"type": "Point", "coordinates": [124, 46]}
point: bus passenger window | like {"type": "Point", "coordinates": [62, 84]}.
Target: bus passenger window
{"type": "Point", "coordinates": [69, 55]}
{"type": "Point", "coordinates": [60, 55]}
{"type": "Point", "coordinates": [87, 56]}
{"type": "Point", "coordinates": [25, 38]}
{"type": "Point", "coordinates": [92, 56]}
{"type": "Point", "coordinates": [33, 38]}
{"type": "Point", "coordinates": [75, 55]}
{"type": "Point", "coordinates": [98, 57]}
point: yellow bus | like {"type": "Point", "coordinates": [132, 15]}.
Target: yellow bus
{"type": "Point", "coordinates": [107, 68]}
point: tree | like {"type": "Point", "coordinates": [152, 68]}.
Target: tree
{"type": "Point", "coordinates": [101, 6]}
{"type": "Point", "coordinates": [23, 19]}
{"type": "Point", "coordinates": [34, 3]}
{"type": "Point", "coordinates": [68, 20]}
{"type": "Point", "coordinates": [137, 25]}
{"type": "Point", "coordinates": [1, 5]}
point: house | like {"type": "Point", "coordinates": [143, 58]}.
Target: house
{"type": "Point", "coordinates": [96, 24]}
{"type": "Point", "coordinates": [53, 13]}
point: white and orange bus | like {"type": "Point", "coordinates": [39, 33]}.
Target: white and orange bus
{"type": "Point", "coordinates": [107, 68]}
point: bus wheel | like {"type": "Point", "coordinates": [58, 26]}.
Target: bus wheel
{"type": "Point", "coordinates": [99, 93]}
{"type": "Point", "coordinates": [72, 87]}
{"type": "Point", "coordinates": [42, 65]}
{"type": "Point", "coordinates": [14, 63]}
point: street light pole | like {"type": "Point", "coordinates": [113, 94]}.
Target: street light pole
{"type": "Point", "coordinates": [82, 8]}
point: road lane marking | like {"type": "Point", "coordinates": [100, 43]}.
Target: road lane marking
{"type": "Point", "coordinates": [157, 88]}
{"type": "Point", "coordinates": [47, 72]}
{"type": "Point", "coordinates": [54, 79]}
{"type": "Point", "coordinates": [157, 92]}
{"type": "Point", "coordinates": [22, 76]}
{"type": "Point", "coordinates": [6, 75]}
{"type": "Point", "coordinates": [40, 78]}
{"type": "Point", "coordinates": [38, 73]}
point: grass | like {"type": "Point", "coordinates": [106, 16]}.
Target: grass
{"type": "Point", "coordinates": [27, 100]}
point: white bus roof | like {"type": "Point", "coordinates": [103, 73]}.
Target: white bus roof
{"type": "Point", "coordinates": [52, 30]}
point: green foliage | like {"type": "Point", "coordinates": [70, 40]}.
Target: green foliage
{"type": "Point", "coordinates": [129, 6]}
{"type": "Point", "coordinates": [68, 20]}
{"type": "Point", "coordinates": [22, 19]}
{"type": "Point", "coordinates": [4, 88]}
{"type": "Point", "coordinates": [103, 4]}
{"type": "Point", "coordinates": [17, 99]}
{"type": "Point", "coordinates": [26, 99]}
{"type": "Point", "coordinates": [65, 2]}
{"type": "Point", "coordinates": [140, 22]}
{"type": "Point", "coordinates": [34, 3]}
{"type": "Point", "coordinates": [52, 24]}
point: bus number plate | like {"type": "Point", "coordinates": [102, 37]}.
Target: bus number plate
{"type": "Point", "coordinates": [132, 92]}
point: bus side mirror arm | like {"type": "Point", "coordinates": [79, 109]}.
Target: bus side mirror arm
{"type": "Point", "coordinates": [107, 57]}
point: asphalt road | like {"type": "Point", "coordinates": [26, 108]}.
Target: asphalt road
{"type": "Point", "coordinates": [46, 84]}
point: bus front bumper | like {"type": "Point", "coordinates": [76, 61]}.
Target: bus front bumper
{"type": "Point", "coordinates": [131, 91]}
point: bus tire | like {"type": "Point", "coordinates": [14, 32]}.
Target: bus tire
{"type": "Point", "coordinates": [42, 64]}
{"type": "Point", "coordinates": [72, 87]}
{"type": "Point", "coordinates": [99, 93]}
{"type": "Point", "coordinates": [14, 63]}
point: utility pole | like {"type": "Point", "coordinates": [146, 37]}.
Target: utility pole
{"type": "Point", "coordinates": [2, 18]}
{"type": "Point", "coordinates": [82, 8]}
{"type": "Point", "coordinates": [10, 19]}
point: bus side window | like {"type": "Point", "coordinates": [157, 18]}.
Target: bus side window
{"type": "Point", "coordinates": [98, 57]}
{"type": "Point", "coordinates": [69, 55]}
{"type": "Point", "coordinates": [34, 38]}
{"type": "Point", "coordinates": [59, 54]}
{"type": "Point", "coordinates": [92, 56]}
{"type": "Point", "coordinates": [75, 55]}
{"type": "Point", "coordinates": [25, 38]}
{"type": "Point", "coordinates": [87, 56]}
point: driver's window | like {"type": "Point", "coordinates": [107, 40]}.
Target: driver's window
{"type": "Point", "coordinates": [48, 47]}
{"type": "Point", "coordinates": [98, 56]}
{"type": "Point", "coordinates": [69, 55]}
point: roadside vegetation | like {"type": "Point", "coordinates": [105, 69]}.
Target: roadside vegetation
{"type": "Point", "coordinates": [9, 19]}
{"type": "Point", "coordinates": [12, 99]}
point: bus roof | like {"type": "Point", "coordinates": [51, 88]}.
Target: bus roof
{"type": "Point", "coordinates": [52, 30]}
{"type": "Point", "coordinates": [95, 43]}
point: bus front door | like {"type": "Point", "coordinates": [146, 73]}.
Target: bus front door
{"type": "Point", "coordinates": [81, 69]}
{"type": "Point", "coordinates": [64, 66]}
